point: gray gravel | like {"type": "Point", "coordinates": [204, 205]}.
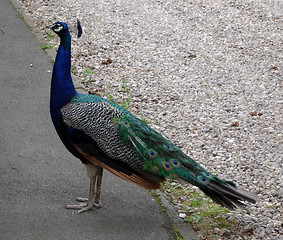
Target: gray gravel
{"type": "Point", "coordinates": [207, 74]}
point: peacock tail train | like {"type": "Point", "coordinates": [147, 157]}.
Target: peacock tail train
{"type": "Point", "coordinates": [123, 136]}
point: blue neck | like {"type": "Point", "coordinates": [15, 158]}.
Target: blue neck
{"type": "Point", "coordinates": [62, 87]}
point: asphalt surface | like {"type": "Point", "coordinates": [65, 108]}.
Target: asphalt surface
{"type": "Point", "coordinates": [38, 175]}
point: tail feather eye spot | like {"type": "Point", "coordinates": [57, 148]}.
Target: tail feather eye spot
{"type": "Point", "coordinates": [167, 166]}
{"type": "Point", "coordinates": [155, 169]}
{"type": "Point", "coordinates": [202, 179]}
{"type": "Point", "coordinates": [126, 124]}
{"type": "Point", "coordinates": [151, 153]}
{"type": "Point", "coordinates": [175, 163]}
{"type": "Point", "coordinates": [207, 174]}
{"type": "Point", "coordinates": [166, 146]}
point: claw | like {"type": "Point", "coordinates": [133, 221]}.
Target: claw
{"type": "Point", "coordinates": [84, 205]}
{"type": "Point", "coordinates": [98, 205]}
{"type": "Point", "coordinates": [78, 206]}
{"type": "Point", "coordinates": [80, 199]}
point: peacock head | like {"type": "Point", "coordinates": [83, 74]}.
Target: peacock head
{"type": "Point", "coordinates": [60, 28]}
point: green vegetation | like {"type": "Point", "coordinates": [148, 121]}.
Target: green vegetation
{"type": "Point", "coordinates": [158, 200]}
{"type": "Point", "coordinates": [125, 99]}
{"type": "Point", "coordinates": [178, 234]}
{"type": "Point", "coordinates": [45, 46]}
{"type": "Point", "coordinates": [271, 206]}
{"type": "Point", "coordinates": [110, 96]}
{"type": "Point", "coordinates": [49, 33]}
{"type": "Point", "coordinates": [125, 95]}
{"type": "Point", "coordinates": [201, 213]}
{"type": "Point", "coordinates": [174, 231]}
{"type": "Point", "coordinates": [87, 72]}
{"type": "Point", "coordinates": [143, 119]}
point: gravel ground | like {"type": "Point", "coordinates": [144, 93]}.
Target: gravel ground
{"type": "Point", "coordinates": [207, 74]}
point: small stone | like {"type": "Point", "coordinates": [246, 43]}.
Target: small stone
{"type": "Point", "coordinates": [262, 233]}
{"type": "Point", "coordinates": [182, 215]}
{"type": "Point", "coordinates": [268, 231]}
{"type": "Point", "coordinates": [278, 193]}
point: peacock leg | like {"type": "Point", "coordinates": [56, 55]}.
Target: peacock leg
{"type": "Point", "coordinates": [95, 174]}
{"type": "Point", "coordinates": [99, 174]}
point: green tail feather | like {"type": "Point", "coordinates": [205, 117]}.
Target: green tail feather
{"type": "Point", "coordinates": [159, 155]}
{"type": "Point", "coordinates": [164, 159]}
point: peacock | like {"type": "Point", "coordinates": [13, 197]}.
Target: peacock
{"type": "Point", "coordinates": [104, 135]}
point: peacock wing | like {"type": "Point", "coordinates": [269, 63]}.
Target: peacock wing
{"type": "Point", "coordinates": [97, 118]}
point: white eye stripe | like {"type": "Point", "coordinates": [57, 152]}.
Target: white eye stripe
{"type": "Point", "coordinates": [58, 29]}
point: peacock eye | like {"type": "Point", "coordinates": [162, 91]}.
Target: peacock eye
{"type": "Point", "coordinates": [175, 163]}
{"type": "Point", "coordinates": [202, 179]}
{"type": "Point", "coordinates": [151, 153]}
{"type": "Point", "coordinates": [167, 166]}
{"type": "Point", "coordinates": [58, 28]}
{"type": "Point", "coordinates": [155, 169]}
{"type": "Point", "coordinates": [168, 146]}
{"type": "Point", "coordinates": [126, 124]}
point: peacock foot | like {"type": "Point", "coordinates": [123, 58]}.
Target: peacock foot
{"type": "Point", "coordinates": [84, 204]}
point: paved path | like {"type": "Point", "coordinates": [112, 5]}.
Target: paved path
{"type": "Point", "coordinates": [38, 176]}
